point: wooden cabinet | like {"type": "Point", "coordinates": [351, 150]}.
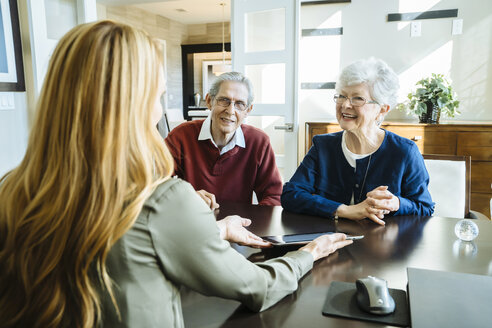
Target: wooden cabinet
{"type": "Point", "coordinates": [474, 139]}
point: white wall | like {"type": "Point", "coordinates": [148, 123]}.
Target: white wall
{"type": "Point", "coordinates": [14, 123]}
{"type": "Point", "coordinates": [13, 133]}
{"type": "Point", "coordinates": [38, 36]}
{"type": "Point", "coordinates": [466, 58]}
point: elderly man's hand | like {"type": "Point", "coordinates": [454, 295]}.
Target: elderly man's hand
{"type": "Point", "coordinates": [232, 228]}
{"type": "Point", "coordinates": [209, 198]}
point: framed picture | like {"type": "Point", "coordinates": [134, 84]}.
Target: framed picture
{"type": "Point", "coordinates": [11, 66]}
{"type": "Point", "coordinates": [208, 76]}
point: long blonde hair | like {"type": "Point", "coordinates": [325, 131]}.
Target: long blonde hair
{"type": "Point", "coordinates": [93, 158]}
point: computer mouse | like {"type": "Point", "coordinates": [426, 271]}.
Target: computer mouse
{"type": "Point", "coordinates": [373, 296]}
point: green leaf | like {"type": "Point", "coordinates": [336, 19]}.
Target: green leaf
{"type": "Point", "coordinates": [436, 89]}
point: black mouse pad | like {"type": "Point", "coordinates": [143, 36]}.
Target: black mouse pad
{"type": "Point", "coordinates": [341, 302]}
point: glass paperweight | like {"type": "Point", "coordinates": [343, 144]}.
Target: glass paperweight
{"type": "Point", "coordinates": [466, 230]}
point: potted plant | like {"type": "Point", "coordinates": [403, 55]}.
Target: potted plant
{"type": "Point", "coordinates": [433, 96]}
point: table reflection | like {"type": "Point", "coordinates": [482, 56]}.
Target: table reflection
{"type": "Point", "coordinates": [464, 249]}
{"type": "Point", "coordinates": [395, 240]}
{"type": "Point", "coordinates": [271, 318]}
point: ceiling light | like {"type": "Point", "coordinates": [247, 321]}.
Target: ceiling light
{"type": "Point", "coordinates": [222, 68]}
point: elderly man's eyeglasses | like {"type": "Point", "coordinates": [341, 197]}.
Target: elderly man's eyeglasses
{"type": "Point", "coordinates": [239, 105]}
{"type": "Point", "coordinates": [354, 101]}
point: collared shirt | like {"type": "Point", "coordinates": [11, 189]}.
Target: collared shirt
{"type": "Point", "coordinates": [237, 139]}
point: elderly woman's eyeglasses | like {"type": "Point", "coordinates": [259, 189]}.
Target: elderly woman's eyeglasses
{"type": "Point", "coordinates": [239, 105]}
{"type": "Point", "coordinates": [354, 101]}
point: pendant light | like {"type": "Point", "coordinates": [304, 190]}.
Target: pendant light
{"type": "Point", "coordinates": [222, 68]}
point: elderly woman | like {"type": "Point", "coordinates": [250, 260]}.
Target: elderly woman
{"type": "Point", "coordinates": [363, 171]}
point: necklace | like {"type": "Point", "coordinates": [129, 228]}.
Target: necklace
{"type": "Point", "coordinates": [364, 181]}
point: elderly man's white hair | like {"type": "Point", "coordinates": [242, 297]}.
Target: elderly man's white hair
{"type": "Point", "coordinates": [234, 77]}
{"type": "Point", "coordinates": [382, 81]}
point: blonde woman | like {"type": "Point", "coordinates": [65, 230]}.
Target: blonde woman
{"type": "Point", "coordinates": [92, 230]}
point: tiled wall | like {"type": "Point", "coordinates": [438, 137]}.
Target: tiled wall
{"type": "Point", "coordinates": [208, 33]}
{"type": "Point", "coordinates": [175, 34]}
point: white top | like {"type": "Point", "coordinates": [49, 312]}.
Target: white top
{"type": "Point", "coordinates": [352, 158]}
{"type": "Point", "coordinates": [349, 156]}
{"type": "Point", "coordinates": [237, 139]}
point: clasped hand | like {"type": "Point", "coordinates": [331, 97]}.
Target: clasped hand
{"type": "Point", "coordinates": [232, 228]}
{"type": "Point", "coordinates": [378, 203]}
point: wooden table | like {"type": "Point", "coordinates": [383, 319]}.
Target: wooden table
{"type": "Point", "coordinates": [385, 252]}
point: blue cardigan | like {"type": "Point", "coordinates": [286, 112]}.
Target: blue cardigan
{"type": "Point", "coordinates": [325, 179]}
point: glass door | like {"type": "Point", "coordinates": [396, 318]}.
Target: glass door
{"type": "Point", "coordinates": [264, 47]}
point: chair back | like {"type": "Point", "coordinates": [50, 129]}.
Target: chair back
{"type": "Point", "coordinates": [450, 184]}
{"type": "Point", "coordinates": [163, 125]}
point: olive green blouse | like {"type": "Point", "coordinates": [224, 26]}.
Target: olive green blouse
{"type": "Point", "coordinates": [175, 241]}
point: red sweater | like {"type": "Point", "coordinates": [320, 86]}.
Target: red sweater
{"type": "Point", "coordinates": [232, 176]}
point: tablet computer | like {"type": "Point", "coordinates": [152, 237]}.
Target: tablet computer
{"type": "Point", "coordinates": [300, 239]}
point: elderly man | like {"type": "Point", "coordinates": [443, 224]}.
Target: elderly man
{"type": "Point", "coordinates": [222, 158]}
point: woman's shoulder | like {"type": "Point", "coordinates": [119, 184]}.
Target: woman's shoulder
{"type": "Point", "coordinates": [400, 147]}
{"type": "Point", "coordinates": [175, 199]}
{"type": "Point", "coordinates": [175, 210]}
{"type": "Point", "coordinates": [173, 190]}
{"type": "Point", "coordinates": [328, 138]}
{"type": "Point", "coordinates": [399, 141]}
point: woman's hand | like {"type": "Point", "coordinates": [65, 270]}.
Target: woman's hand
{"type": "Point", "coordinates": [209, 198]}
{"type": "Point", "coordinates": [378, 203]}
{"type": "Point", "coordinates": [381, 198]}
{"type": "Point", "coordinates": [361, 211]}
{"type": "Point", "coordinates": [232, 229]}
{"type": "Point", "coordinates": [326, 244]}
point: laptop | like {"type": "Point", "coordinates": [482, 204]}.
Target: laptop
{"type": "Point", "coordinates": [449, 299]}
